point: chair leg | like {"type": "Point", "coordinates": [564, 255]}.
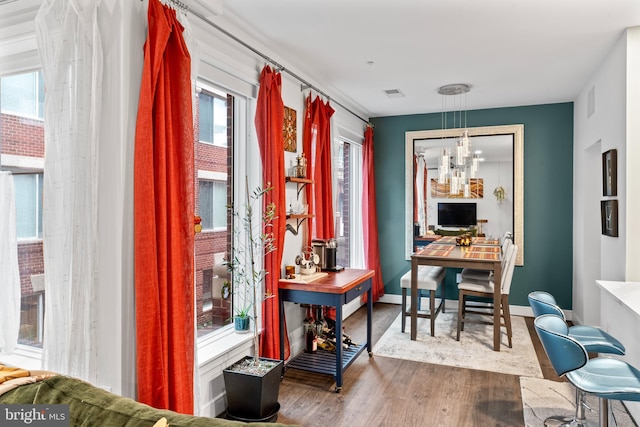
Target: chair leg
{"type": "Point", "coordinates": [604, 412]}
{"type": "Point", "coordinates": [580, 418]}
{"type": "Point", "coordinates": [464, 311]}
{"type": "Point", "coordinates": [507, 317]}
{"type": "Point", "coordinates": [404, 309]}
{"type": "Point", "coordinates": [460, 314]}
{"type": "Point", "coordinates": [432, 312]}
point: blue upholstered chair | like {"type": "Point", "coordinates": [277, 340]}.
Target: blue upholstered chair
{"type": "Point", "coordinates": [593, 339]}
{"type": "Point", "coordinates": [605, 377]}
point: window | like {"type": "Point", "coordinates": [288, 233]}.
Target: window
{"type": "Point", "coordinates": [213, 163]}
{"type": "Point", "coordinates": [342, 207]}
{"type": "Point", "coordinates": [213, 118]}
{"type": "Point", "coordinates": [23, 95]}
{"type": "Point", "coordinates": [22, 145]}
{"type": "Point", "coordinates": [28, 188]}
{"type": "Point", "coordinates": [212, 205]}
{"type": "Point", "coordinates": [348, 212]}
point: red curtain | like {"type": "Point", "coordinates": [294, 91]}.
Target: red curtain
{"type": "Point", "coordinates": [163, 210]}
{"type": "Point", "coordinates": [322, 171]}
{"type": "Point", "coordinates": [425, 183]}
{"type": "Point", "coordinates": [370, 216]}
{"type": "Point", "coordinates": [307, 148]}
{"type": "Point", "coordinates": [269, 123]}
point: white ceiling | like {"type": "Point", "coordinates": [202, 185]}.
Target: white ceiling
{"type": "Point", "coordinates": [512, 52]}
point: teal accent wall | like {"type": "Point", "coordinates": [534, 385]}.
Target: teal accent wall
{"type": "Point", "coordinates": [548, 196]}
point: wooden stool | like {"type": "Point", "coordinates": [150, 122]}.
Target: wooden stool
{"type": "Point", "coordinates": [429, 277]}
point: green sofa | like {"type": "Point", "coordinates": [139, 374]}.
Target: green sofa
{"type": "Point", "coordinates": [93, 406]}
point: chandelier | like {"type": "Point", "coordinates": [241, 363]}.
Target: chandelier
{"type": "Point", "coordinates": [457, 165]}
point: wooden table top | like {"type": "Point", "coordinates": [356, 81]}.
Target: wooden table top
{"type": "Point", "coordinates": [334, 283]}
{"type": "Point", "coordinates": [453, 252]}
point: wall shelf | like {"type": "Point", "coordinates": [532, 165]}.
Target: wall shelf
{"type": "Point", "coordinates": [301, 182]}
{"type": "Point", "coordinates": [299, 218]}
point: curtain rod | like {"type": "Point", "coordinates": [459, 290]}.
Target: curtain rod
{"type": "Point", "coordinates": [305, 84]}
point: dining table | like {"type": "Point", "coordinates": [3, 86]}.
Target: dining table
{"type": "Point", "coordinates": [484, 253]}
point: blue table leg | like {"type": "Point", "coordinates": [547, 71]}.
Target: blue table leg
{"type": "Point", "coordinates": [369, 317]}
{"type": "Point", "coordinates": [338, 347]}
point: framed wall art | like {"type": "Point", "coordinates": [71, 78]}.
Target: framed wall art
{"type": "Point", "coordinates": [609, 217]}
{"type": "Point", "coordinates": [289, 132]}
{"type": "Point", "coordinates": [443, 190]}
{"type": "Point", "coordinates": [610, 173]}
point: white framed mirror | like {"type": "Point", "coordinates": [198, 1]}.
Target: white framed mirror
{"type": "Point", "coordinates": [502, 150]}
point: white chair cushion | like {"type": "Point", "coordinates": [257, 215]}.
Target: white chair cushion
{"type": "Point", "coordinates": [472, 273]}
{"type": "Point", "coordinates": [487, 285]}
{"type": "Point", "coordinates": [428, 277]}
{"type": "Point", "coordinates": [476, 285]}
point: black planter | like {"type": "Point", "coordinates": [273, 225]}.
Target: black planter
{"type": "Point", "coordinates": [252, 397]}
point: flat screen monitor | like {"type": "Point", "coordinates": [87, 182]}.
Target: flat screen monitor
{"type": "Point", "coordinates": [457, 214]}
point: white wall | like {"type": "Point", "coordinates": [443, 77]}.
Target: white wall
{"type": "Point", "coordinates": [632, 182]}
{"type": "Point", "coordinates": [613, 125]}
{"type": "Point", "coordinates": [597, 256]}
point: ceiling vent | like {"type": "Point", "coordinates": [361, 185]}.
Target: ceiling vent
{"type": "Point", "coordinates": [394, 93]}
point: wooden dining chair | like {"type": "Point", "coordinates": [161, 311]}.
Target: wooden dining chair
{"type": "Point", "coordinates": [482, 291]}
{"type": "Point", "coordinates": [429, 279]}
{"type": "Point", "coordinates": [474, 273]}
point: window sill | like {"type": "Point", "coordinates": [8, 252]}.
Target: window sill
{"type": "Point", "coordinates": [25, 357]}
{"type": "Point", "coordinates": [209, 348]}
{"type": "Point", "coordinates": [29, 240]}
{"type": "Point", "coordinates": [220, 344]}
{"type": "Point", "coordinates": [213, 230]}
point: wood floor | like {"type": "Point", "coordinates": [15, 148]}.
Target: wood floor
{"type": "Point", "coordinates": [382, 391]}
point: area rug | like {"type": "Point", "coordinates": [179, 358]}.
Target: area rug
{"type": "Point", "coordinates": [544, 398]}
{"type": "Point", "coordinates": [473, 351]}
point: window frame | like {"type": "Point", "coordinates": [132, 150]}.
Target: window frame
{"type": "Point", "coordinates": [39, 91]}
{"type": "Point", "coordinates": [356, 237]}
{"type": "Point", "coordinates": [37, 236]}
{"type": "Point", "coordinates": [214, 93]}
{"type": "Point", "coordinates": [246, 162]}
{"type": "Point", "coordinates": [26, 355]}
{"type": "Point", "coordinates": [201, 179]}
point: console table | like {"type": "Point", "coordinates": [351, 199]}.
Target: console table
{"type": "Point", "coordinates": [335, 290]}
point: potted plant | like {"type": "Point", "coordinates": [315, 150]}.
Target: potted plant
{"type": "Point", "coordinates": [242, 321]}
{"type": "Point", "coordinates": [253, 383]}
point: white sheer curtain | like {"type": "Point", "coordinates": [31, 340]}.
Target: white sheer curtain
{"type": "Point", "coordinates": [92, 57]}
{"type": "Point", "coordinates": [10, 283]}
{"type": "Point", "coordinates": [69, 42]}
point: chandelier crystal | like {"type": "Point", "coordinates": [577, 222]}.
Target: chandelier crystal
{"type": "Point", "coordinates": [457, 168]}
